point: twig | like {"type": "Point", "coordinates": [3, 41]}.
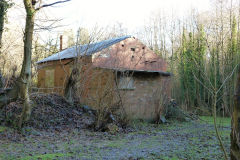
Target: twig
{"type": "Point", "coordinates": [51, 4]}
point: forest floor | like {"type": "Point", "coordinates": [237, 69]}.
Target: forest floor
{"type": "Point", "coordinates": [176, 140]}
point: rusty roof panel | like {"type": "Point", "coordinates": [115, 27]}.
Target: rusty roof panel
{"type": "Point", "coordinates": [123, 57]}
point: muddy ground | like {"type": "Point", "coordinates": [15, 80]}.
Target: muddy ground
{"type": "Point", "coordinates": [176, 140]}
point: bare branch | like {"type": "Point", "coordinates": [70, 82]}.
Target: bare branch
{"type": "Point", "coordinates": [51, 4]}
{"type": "Point", "coordinates": [207, 88]}
{"type": "Point", "coordinates": [229, 76]}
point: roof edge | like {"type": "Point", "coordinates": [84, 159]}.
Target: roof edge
{"type": "Point", "coordinates": [133, 70]}
{"type": "Point", "coordinates": [93, 48]}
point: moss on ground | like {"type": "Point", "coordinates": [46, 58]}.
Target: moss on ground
{"type": "Point", "coordinates": [188, 140]}
{"type": "Point", "coordinates": [221, 121]}
{"type": "Point", "coordinates": [50, 156]}
{"type": "Point", "coordinates": [3, 128]}
{"type": "Point", "coordinates": [116, 143]}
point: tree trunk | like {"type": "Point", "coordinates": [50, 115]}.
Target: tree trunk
{"type": "Point", "coordinates": [69, 91]}
{"type": "Point", "coordinates": [21, 87]}
{"type": "Point", "coordinates": [25, 76]}
{"type": "Point", "coordinates": [235, 134]}
{"type": "Point", "coordinates": [2, 14]}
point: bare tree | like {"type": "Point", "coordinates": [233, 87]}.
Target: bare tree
{"type": "Point", "coordinates": [25, 76]}
{"type": "Point", "coordinates": [21, 88]}
{"type": "Point", "coordinates": [4, 5]}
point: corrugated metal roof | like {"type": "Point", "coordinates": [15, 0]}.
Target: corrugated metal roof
{"type": "Point", "coordinates": [87, 49]}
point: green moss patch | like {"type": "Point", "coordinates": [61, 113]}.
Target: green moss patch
{"type": "Point", "coordinates": [221, 121]}
{"type": "Point", "coordinates": [2, 129]}
{"type": "Point", "coordinates": [45, 156]}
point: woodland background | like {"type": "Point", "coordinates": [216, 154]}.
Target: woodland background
{"type": "Point", "coordinates": [202, 50]}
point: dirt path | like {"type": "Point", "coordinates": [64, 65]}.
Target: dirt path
{"type": "Point", "coordinates": [191, 140]}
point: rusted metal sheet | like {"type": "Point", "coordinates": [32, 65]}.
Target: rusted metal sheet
{"type": "Point", "coordinates": [130, 54]}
